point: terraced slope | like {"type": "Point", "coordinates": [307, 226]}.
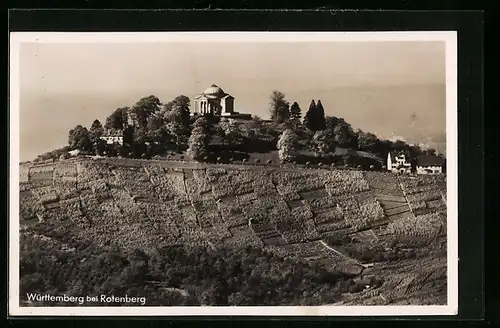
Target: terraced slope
{"type": "Point", "coordinates": [147, 204]}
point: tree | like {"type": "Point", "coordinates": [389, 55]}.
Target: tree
{"type": "Point", "coordinates": [99, 147]}
{"type": "Point", "coordinates": [96, 131]}
{"type": "Point", "coordinates": [315, 116]}
{"type": "Point", "coordinates": [323, 142]}
{"type": "Point", "coordinates": [310, 116]}
{"type": "Point", "coordinates": [117, 120]}
{"type": "Point", "coordinates": [79, 138]}
{"type": "Point", "coordinates": [180, 101]}
{"type": "Point", "coordinates": [155, 122]}
{"type": "Point", "coordinates": [367, 142]}
{"type": "Point", "coordinates": [177, 115]}
{"type": "Point", "coordinates": [140, 135]}
{"type": "Point", "coordinates": [197, 143]}
{"type": "Point", "coordinates": [331, 122]}
{"type": "Point", "coordinates": [319, 116]}
{"type": "Point", "coordinates": [295, 112]}
{"type": "Point", "coordinates": [230, 131]}
{"type": "Point", "coordinates": [287, 146]}
{"type": "Point", "coordinates": [202, 122]}
{"type": "Point", "coordinates": [144, 108]}
{"type": "Point", "coordinates": [279, 108]}
{"type": "Point", "coordinates": [128, 135]}
{"type": "Point", "coordinates": [342, 135]}
{"type": "Point", "coordinates": [430, 151]}
{"type": "Point", "coordinates": [178, 132]}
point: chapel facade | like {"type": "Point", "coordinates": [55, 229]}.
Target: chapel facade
{"type": "Point", "coordinates": [213, 101]}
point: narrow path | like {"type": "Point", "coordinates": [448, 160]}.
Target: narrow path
{"type": "Point", "coordinates": [333, 249]}
{"type": "Point", "coordinates": [345, 256]}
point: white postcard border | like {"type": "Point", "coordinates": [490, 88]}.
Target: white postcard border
{"type": "Point", "coordinates": [449, 37]}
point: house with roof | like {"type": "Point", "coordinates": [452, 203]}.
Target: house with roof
{"type": "Point", "coordinates": [113, 137]}
{"type": "Point", "coordinates": [398, 162]}
{"type": "Point", "coordinates": [430, 164]}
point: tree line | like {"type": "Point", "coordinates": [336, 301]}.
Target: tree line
{"type": "Point", "coordinates": [151, 128]}
{"type": "Point", "coordinates": [326, 133]}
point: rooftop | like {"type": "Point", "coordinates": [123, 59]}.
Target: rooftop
{"type": "Point", "coordinates": [429, 160]}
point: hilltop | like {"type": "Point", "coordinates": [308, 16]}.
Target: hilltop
{"type": "Point", "coordinates": [364, 237]}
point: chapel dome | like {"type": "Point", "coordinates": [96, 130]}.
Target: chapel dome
{"type": "Point", "coordinates": [213, 90]}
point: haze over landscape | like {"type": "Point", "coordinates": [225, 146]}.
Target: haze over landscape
{"type": "Point", "coordinates": [391, 89]}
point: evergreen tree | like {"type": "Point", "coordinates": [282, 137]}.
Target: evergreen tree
{"type": "Point", "coordinates": [295, 112]}
{"type": "Point", "coordinates": [310, 116]}
{"type": "Point", "coordinates": [320, 116]}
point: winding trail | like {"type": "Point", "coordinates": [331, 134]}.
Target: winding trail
{"type": "Point", "coordinates": [333, 249]}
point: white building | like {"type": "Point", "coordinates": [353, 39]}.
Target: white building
{"type": "Point", "coordinates": [214, 101]}
{"type": "Point", "coordinates": [398, 163]}
{"type": "Point", "coordinates": [113, 137]}
{"type": "Point", "coordinates": [429, 164]}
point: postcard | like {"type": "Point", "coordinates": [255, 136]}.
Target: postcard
{"type": "Point", "coordinates": [233, 173]}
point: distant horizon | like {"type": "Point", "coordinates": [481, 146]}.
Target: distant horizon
{"type": "Point", "coordinates": [377, 87]}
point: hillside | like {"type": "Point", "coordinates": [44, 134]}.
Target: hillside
{"type": "Point", "coordinates": [371, 226]}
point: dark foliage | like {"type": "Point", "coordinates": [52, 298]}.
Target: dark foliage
{"type": "Point", "coordinates": [174, 275]}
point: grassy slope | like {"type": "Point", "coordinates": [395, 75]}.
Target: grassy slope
{"type": "Point", "coordinates": [147, 204]}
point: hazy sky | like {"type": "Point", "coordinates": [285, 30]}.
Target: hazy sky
{"type": "Point", "coordinates": [375, 86]}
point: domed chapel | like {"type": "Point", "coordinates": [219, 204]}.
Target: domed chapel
{"type": "Point", "coordinates": [214, 101]}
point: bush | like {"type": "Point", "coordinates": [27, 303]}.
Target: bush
{"type": "Point", "coordinates": [269, 162]}
{"type": "Point", "coordinates": [356, 288]}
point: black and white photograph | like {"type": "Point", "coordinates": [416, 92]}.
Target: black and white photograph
{"type": "Point", "coordinates": [233, 173]}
